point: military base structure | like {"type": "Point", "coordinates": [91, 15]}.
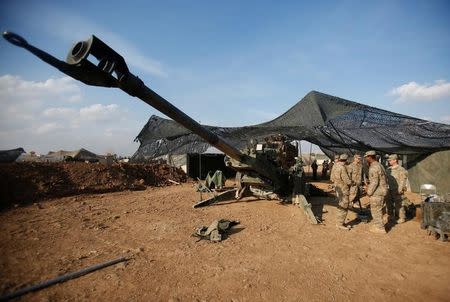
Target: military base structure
{"type": "Point", "coordinates": [81, 155]}
{"type": "Point", "coordinates": [334, 124]}
{"type": "Point", "coordinates": [268, 165]}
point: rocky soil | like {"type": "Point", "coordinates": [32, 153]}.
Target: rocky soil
{"type": "Point", "coordinates": [275, 254]}
{"type": "Point", "coordinates": [22, 183]}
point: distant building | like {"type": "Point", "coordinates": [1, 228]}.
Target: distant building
{"type": "Point", "coordinates": [82, 155]}
{"type": "Point", "coordinates": [197, 164]}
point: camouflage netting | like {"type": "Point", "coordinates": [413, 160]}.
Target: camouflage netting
{"type": "Point", "coordinates": [336, 125]}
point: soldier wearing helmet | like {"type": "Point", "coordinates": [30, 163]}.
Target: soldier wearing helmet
{"type": "Point", "coordinates": [397, 179]}
{"type": "Point", "coordinates": [333, 163]}
{"type": "Point", "coordinates": [356, 175]}
{"type": "Point", "coordinates": [376, 190]}
{"type": "Point", "coordinates": [342, 184]}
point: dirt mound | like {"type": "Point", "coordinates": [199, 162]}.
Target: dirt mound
{"type": "Point", "coordinates": [28, 182]}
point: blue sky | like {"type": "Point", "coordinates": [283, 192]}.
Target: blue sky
{"type": "Point", "coordinates": [226, 63]}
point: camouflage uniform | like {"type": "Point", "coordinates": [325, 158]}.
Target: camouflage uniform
{"type": "Point", "coordinates": [332, 172]}
{"type": "Point", "coordinates": [342, 183]}
{"type": "Point", "coordinates": [397, 179]}
{"type": "Point", "coordinates": [332, 165]}
{"type": "Point", "coordinates": [314, 167]}
{"type": "Point", "coordinates": [355, 173]}
{"type": "Point", "coordinates": [377, 190]}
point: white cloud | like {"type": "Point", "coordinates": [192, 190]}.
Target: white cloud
{"type": "Point", "coordinates": [59, 113]}
{"type": "Point", "coordinates": [38, 115]}
{"type": "Point", "coordinates": [96, 113]}
{"type": "Point", "coordinates": [47, 127]}
{"type": "Point", "coordinates": [22, 100]}
{"type": "Point", "coordinates": [74, 99]}
{"type": "Point", "coordinates": [445, 119]}
{"type": "Point", "coordinates": [426, 118]}
{"type": "Point", "coordinates": [14, 87]}
{"type": "Point", "coordinates": [415, 92]}
{"type": "Point", "coordinates": [99, 112]}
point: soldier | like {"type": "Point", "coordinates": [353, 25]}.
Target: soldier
{"type": "Point", "coordinates": [314, 167]}
{"type": "Point", "coordinates": [333, 163]}
{"type": "Point", "coordinates": [355, 173]}
{"type": "Point", "coordinates": [397, 179]}
{"type": "Point", "coordinates": [342, 184]}
{"type": "Point", "coordinates": [376, 190]}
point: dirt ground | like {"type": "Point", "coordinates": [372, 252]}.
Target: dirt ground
{"type": "Point", "coordinates": [275, 254]}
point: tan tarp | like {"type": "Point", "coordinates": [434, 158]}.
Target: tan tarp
{"type": "Point", "coordinates": [79, 155]}
{"type": "Point", "coordinates": [430, 169]}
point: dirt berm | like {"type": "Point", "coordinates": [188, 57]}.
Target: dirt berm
{"type": "Point", "coordinates": [22, 183]}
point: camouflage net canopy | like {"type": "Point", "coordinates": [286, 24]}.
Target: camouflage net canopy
{"type": "Point", "coordinates": [336, 125]}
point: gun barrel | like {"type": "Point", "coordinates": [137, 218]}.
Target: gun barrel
{"type": "Point", "coordinates": [135, 87]}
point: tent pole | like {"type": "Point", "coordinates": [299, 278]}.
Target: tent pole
{"type": "Point", "coordinates": [199, 165]}
{"type": "Point", "coordinates": [310, 150]}
{"type": "Point", "coordinates": [300, 149]}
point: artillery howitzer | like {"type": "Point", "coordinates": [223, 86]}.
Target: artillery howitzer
{"type": "Point", "coordinates": [268, 170]}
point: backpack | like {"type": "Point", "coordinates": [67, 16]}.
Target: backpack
{"type": "Point", "coordinates": [216, 230]}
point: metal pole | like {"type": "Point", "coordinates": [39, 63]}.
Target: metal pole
{"type": "Point", "coordinates": [60, 279]}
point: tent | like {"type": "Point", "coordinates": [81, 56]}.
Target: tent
{"type": "Point", "coordinates": [77, 155]}
{"type": "Point", "coordinates": [334, 124]}
{"type": "Point", "coordinates": [9, 156]}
